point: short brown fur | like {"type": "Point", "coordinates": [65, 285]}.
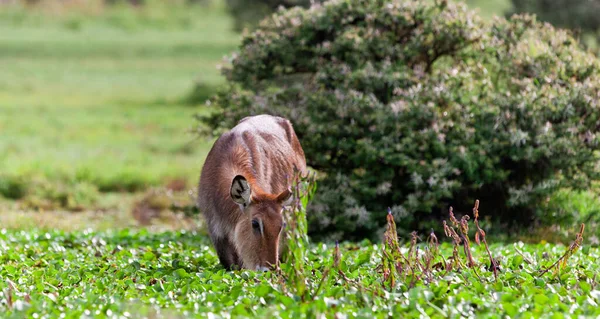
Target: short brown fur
{"type": "Point", "coordinates": [264, 152]}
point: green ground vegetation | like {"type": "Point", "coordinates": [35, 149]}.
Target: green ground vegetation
{"type": "Point", "coordinates": [134, 274]}
{"type": "Point", "coordinates": [94, 102]}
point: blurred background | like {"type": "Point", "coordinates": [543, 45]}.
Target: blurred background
{"type": "Point", "coordinates": [98, 99]}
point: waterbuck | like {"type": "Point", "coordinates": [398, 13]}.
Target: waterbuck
{"type": "Point", "coordinates": [244, 186]}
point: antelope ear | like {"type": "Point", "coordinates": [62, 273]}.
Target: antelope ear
{"type": "Point", "coordinates": [285, 197]}
{"type": "Point", "coordinates": [240, 191]}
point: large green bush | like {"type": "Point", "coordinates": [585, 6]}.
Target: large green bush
{"type": "Point", "coordinates": [417, 105]}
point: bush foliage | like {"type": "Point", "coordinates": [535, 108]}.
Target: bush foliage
{"type": "Point", "coordinates": [416, 106]}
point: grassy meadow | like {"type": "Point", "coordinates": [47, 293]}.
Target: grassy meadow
{"type": "Point", "coordinates": [94, 102]}
{"type": "Point", "coordinates": [141, 274]}
{"type": "Point", "coordinates": [97, 137]}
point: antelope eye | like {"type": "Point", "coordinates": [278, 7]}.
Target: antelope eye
{"type": "Point", "coordinates": [255, 224]}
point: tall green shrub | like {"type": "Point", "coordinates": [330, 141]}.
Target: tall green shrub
{"type": "Point", "coordinates": [416, 106]}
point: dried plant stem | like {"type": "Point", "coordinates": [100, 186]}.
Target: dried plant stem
{"type": "Point", "coordinates": [467, 249]}
{"type": "Point", "coordinates": [562, 261]}
{"type": "Point", "coordinates": [524, 257]}
{"type": "Point", "coordinates": [323, 280]}
{"type": "Point", "coordinates": [480, 237]}
{"type": "Point", "coordinates": [415, 266]}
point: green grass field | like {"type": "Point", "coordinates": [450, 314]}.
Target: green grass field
{"type": "Point", "coordinates": [490, 8]}
{"type": "Point", "coordinates": [131, 274]}
{"type": "Point", "coordinates": [101, 106]}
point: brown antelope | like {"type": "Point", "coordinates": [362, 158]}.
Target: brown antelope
{"type": "Point", "coordinates": [244, 186]}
